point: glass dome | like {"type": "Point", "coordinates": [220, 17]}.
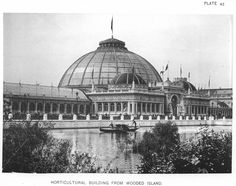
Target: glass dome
{"type": "Point", "coordinates": [109, 60]}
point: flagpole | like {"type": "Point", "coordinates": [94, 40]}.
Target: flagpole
{"type": "Point", "coordinates": [168, 71]}
{"type": "Point", "coordinates": [112, 27]}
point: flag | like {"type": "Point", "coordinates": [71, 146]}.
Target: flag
{"type": "Point", "coordinates": [166, 67]}
{"type": "Point", "coordinates": [209, 83]}
{"type": "Point", "coordinates": [162, 72]}
{"type": "Point", "coordinates": [112, 24]}
{"type": "Point", "coordinates": [189, 75]}
{"type": "Point", "coordinates": [180, 71]}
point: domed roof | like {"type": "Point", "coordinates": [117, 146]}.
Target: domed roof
{"type": "Point", "coordinates": [128, 78]}
{"type": "Point", "coordinates": [185, 84]}
{"type": "Point", "coordinates": [109, 60]}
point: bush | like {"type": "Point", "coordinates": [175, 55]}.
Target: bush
{"type": "Point", "coordinates": [28, 148]}
{"type": "Point", "coordinates": [156, 147]}
{"type": "Point", "coordinates": [53, 116]}
{"type": "Point", "coordinates": [162, 152]}
{"type": "Point", "coordinates": [209, 152]}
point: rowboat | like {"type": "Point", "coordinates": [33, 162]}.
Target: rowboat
{"type": "Point", "coordinates": [119, 128]}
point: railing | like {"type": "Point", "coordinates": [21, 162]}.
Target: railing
{"type": "Point", "coordinates": [45, 117]}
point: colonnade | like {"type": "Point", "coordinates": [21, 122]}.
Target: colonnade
{"type": "Point", "coordinates": [49, 107]}
{"type": "Point", "coordinates": [129, 107]}
{"type": "Point", "coordinates": [196, 110]}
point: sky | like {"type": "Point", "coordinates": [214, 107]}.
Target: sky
{"type": "Point", "coordinates": [38, 48]}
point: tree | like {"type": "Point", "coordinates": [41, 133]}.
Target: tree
{"type": "Point", "coordinates": [28, 148]}
{"type": "Point", "coordinates": [209, 152]}
{"type": "Point", "coordinates": [156, 147]}
{"type": "Point", "coordinates": [162, 152]}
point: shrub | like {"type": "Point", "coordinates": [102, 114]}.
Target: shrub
{"type": "Point", "coordinates": [156, 146]}
{"type": "Point", "coordinates": [28, 148]}
{"type": "Point", "coordinates": [162, 152]}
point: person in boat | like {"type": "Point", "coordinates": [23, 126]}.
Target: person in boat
{"type": "Point", "coordinates": [111, 125]}
{"type": "Point", "coordinates": [134, 123]}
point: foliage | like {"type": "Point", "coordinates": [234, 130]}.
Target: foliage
{"type": "Point", "coordinates": [19, 141]}
{"type": "Point", "coordinates": [209, 152]}
{"type": "Point", "coordinates": [156, 147]}
{"type": "Point", "coordinates": [19, 115]}
{"type": "Point", "coordinates": [28, 148]}
{"type": "Point", "coordinates": [162, 152]}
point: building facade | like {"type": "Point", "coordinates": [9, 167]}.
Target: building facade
{"type": "Point", "coordinates": [115, 81]}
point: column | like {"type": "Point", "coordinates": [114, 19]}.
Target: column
{"type": "Point", "coordinates": [128, 107]}
{"type": "Point", "coordinates": [109, 109]}
{"type": "Point", "coordinates": [72, 108]}
{"type": "Point", "coordinates": [160, 108]}
{"type": "Point", "coordinates": [19, 109]}
{"type": "Point", "coordinates": [58, 108]}
{"type": "Point", "coordinates": [155, 108]}
{"type": "Point", "coordinates": [141, 109]}
{"type": "Point", "coordinates": [65, 108]}
{"type": "Point", "coordinates": [44, 107]}
{"type": "Point", "coordinates": [146, 107]}
{"type": "Point", "coordinates": [102, 107]}
{"type": "Point", "coordinates": [85, 108]}
{"type": "Point", "coordinates": [95, 107]}
{"type": "Point", "coordinates": [150, 107]}
{"type": "Point", "coordinates": [136, 108]}
{"type": "Point", "coordinates": [51, 106]}
{"type": "Point", "coordinates": [115, 105]}
{"type": "Point", "coordinates": [36, 106]}
{"type": "Point", "coordinates": [122, 107]}
{"type": "Point", "coordinates": [27, 107]}
{"type": "Point", "coordinates": [133, 107]}
{"type": "Point", "coordinates": [78, 106]}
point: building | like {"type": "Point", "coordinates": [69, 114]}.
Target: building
{"type": "Point", "coordinates": [114, 81]}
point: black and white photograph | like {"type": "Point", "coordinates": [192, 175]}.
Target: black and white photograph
{"type": "Point", "coordinates": [117, 94]}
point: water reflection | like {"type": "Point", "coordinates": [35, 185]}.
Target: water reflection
{"type": "Point", "coordinates": [115, 149]}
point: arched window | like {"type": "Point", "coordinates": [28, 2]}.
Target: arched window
{"type": "Point", "coordinates": [32, 107]}
{"type": "Point", "coordinates": [144, 107]}
{"type": "Point", "coordinates": [157, 107]}
{"type": "Point", "coordinates": [87, 109]}
{"type": "Point", "coordinates": [153, 107]}
{"type": "Point", "coordinates": [139, 107]}
{"type": "Point", "coordinates": [118, 107]}
{"type": "Point", "coordinates": [62, 108]}
{"type": "Point", "coordinates": [54, 107]}
{"type": "Point", "coordinates": [105, 106]}
{"type": "Point", "coordinates": [68, 108]}
{"type": "Point", "coordinates": [23, 107]}
{"type": "Point", "coordinates": [148, 107]}
{"type": "Point", "coordinates": [75, 109]}
{"type": "Point", "coordinates": [99, 107]}
{"type": "Point", "coordinates": [47, 107]}
{"type": "Point", "coordinates": [15, 106]}
{"type": "Point", "coordinates": [81, 109]}
{"type": "Point", "coordinates": [40, 107]}
{"type": "Point", "coordinates": [112, 108]}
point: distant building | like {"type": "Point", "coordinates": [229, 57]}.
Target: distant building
{"type": "Point", "coordinates": [115, 81]}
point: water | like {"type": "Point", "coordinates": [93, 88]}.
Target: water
{"type": "Point", "coordinates": [114, 149]}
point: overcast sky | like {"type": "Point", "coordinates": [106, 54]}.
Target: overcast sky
{"type": "Point", "coordinates": [40, 47]}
